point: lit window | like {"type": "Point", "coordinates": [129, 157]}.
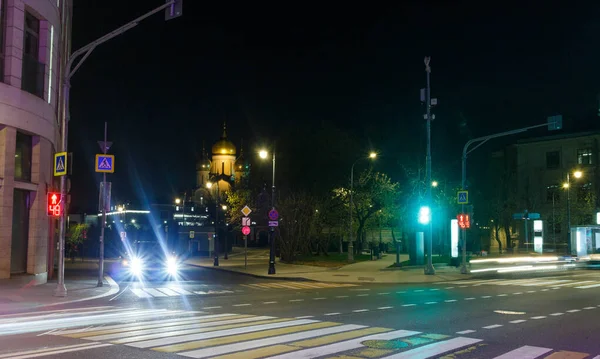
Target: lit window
{"type": "Point", "coordinates": [584, 156]}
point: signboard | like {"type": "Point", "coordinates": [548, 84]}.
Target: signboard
{"type": "Point", "coordinates": [55, 207]}
{"type": "Point", "coordinates": [105, 163]}
{"type": "Point", "coordinates": [526, 215]}
{"type": "Point", "coordinates": [463, 197]}
{"type": "Point", "coordinates": [246, 211]}
{"type": "Point", "coordinates": [246, 221]}
{"type": "Point", "coordinates": [60, 164]}
{"type": "Point", "coordinates": [464, 221]}
{"type": "Point", "coordinates": [192, 234]}
{"type": "Point", "coordinates": [245, 230]}
{"type": "Point", "coordinates": [273, 214]}
{"type": "Point", "coordinates": [454, 237]}
{"type": "Point", "coordinates": [538, 236]}
{"type": "Point", "coordinates": [273, 223]}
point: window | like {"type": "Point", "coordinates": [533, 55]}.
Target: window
{"type": "Point", "coordinates": [32, 76]}
{"type": "Point", "coordinates": [23, 157]}
{"type": "Point", "coordinates": [2, 34]}
{"type": "Point", "coordinates": [553, 194]}
{"type": "Point", "coordinates": [584, 156]}
{"type": "Point", "coordinates": [552, 159]}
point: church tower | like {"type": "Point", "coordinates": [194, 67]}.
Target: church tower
{"type": "Point", "coordinates": [223, 162]}
{"type": "Point", "coordinates": [202, 170]}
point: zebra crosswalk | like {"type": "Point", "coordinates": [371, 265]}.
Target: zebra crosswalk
{"type": "Point", "coordinates": [585, 282]}
{"type": "Point", "coordinates": [174, 291]}
{"type": "Point", "coordinates": [242, 336]}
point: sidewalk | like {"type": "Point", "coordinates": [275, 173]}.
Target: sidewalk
{"type": "Point", "coordinates": [376, 271]}
{"type": "Point", "coordinates": [21, 293]}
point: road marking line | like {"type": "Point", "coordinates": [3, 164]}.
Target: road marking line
{"type": "Point", "coordinates": [153, 292]}
{"type": "Point", "coordinates": [434, 289]}
{"type": "Point", "coordinates": [518, 321]}
{"type": "Point", "coordinates": [545, 290]}
{"type": "Point", "coordinates": [362, 295]}
{"type": "Point", "coordinates": [450, 300]}
{"type": "Point", "coordinates": [531, 291]}
{"type": "Point", "coordinates": [420, 290]}
{"type": "Point", "coordinates": [212, 347]}
{"type": "Point", "coordinates": [493, 326]}
{"type": "Point", "coordinates": [408, 305]}
{"type": "Point", "coordinates": [169, 292]}
{"type": "Point", "coordinates": [220, 333]}
{"type": "Point", "coordinates": [181, 290]}
{"type": "Point", "coordinates": [470, 298]}
{"type": "Point", "coordinates": [342, 296]}
{"type": "Point", "coordinates": [486, 296]}
{"type": "Point", "coordinates": [328, 314]}
{"type": "Point", "coordinates": [325, 350]}
{"type": "Point", "coordinates": [588, 308]}
{"type": "Point", "coordinates": [517, 293]}
{"type": "Point", "coordinates": [384, 293]}
{"type": "Point", "coordinates": [273, 302]}
{"type": "Point", "coordinates": [47, 350]}
{"type": "Point", "coordinates": [448, 287]}
{"type": "Point", "coordinates": [382, 308]}
{"type": "Point", "coordinates": [361, 289]}
{"type": "Point", "coordinates": [556, 314]}
{"type": "Point", "coordinates": [434, 349]}
{"type": "Point", "coordinates": [524, 352]}
{"type": "Point", "coordinates": [242, 305]}
{"type": "Point", "coordinates": [573, 310]}
{"type": "Point", "coordinates": [61, 351]}
{"type": "Point", "coordinates": [430, 302]}
{"type": "Point", "coordinates": [502, 295]}
{"type": "Point", "coordinates": [215, 307]}
{"type": "Point", "coordinates": [588, 286]}
{"type": "Point", "coordinates": [401, 292]}
{"type": "Point", "coordinates": [296, 300]}
{"type": "Point", "coordinates": [305, 317]}
{"type": "Point", "coordinates": [463, 286]}
{"type": "Point", "coordinates": [574, 283]}
{"type": "Point", "coordinates": [466, 332]}
{"type": "Point", "coordinates": [360, 310]}
{"type": "Point", "coordinates": [539, 317]}
{"type": "Point", "coordinates": [140, 293]}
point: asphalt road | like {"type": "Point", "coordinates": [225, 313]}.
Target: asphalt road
{"type": "Point", "coordinates": [223, 315]}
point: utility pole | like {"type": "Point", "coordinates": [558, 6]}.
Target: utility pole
{"type": "Point", "coordinates": [105, 202]}
{"type": "Point", "coordinates": [429, 266]}
{"type": "Point", "coordinates": [272, 229]}
{"type": "Point", "coordinates": [173, 9]}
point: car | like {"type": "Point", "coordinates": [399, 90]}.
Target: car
{"type": "Point", "coordinates": [148, 260]}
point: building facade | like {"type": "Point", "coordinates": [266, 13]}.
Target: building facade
{"type": "Point", "coordinates": [550, 176]}
{"type": "Point", "coordinates": [29, 62]}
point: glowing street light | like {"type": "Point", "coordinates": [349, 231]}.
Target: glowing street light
{"type": "Point", "coordinates": [224, 207]}
{"type": "Point", "coordinates": [577, 174]}
{"type": "Point", "coordinates": [209, 185]}
{"type": "Point", "coordinates": [567, 186]}
{"type": "Point", "coordinates": [373, 155]}
{"type": "Point", "coordinates": [263, 154]}
{"type": "Point", "coordinates": [177, 201]}
{"type": "Point", "coordinates": [434, 184]}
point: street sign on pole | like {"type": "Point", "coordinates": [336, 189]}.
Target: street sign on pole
{"type": "Point", "coordinates": [245, 221]}
{"type": "Point", "coordinates": [192, 234]}
{"type": "Point", "coordinates": [463, 197]}
{"type": "Point", "coordinates": [246, 211]}
{"type": "Point", "coordinates": [105, 163]}
{"type": "Point", "coordinates": [245, 230]}
{"type": "Point", "coordinates": [273, 214]}
{"type": "Point", "coordinates": [60, 164]}
{"type": "Point", "coordinates": [273, 223]}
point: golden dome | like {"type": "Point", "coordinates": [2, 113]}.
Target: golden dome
{"type": "Point", "coordinates": [224, 146]}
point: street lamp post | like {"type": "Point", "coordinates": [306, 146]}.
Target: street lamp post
{"type": "Point", "coordinates": [216, 236]}
{"type": "Point", "coordinates": [576, 174]}
{"type": "Point", "coordinates": [429, 266]}
{"type": "Point", "coordinates": [372, 155]}
{"type": "Point", "coordinates": [224, 208]}
{"type": "Point", "coordinates": [264, 154]}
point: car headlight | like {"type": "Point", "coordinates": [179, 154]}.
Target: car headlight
{"type": "Point", "coordinates": [136, 266]}
{"type": "Point", "coordinates": [172, 266]}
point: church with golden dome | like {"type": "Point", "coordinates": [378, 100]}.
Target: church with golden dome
{"type": "Point", "coordinates": [224, 170]}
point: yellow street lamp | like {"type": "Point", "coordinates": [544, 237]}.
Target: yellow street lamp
{"type": "Point", "coordinates": [224, 207]}
{"type": "Point", "coordinates": [209, 185]}
{"type": "Point", "coordinates": [177, 201]}
{"type": "Point", "coordinates": [577, 174]}
{"type": "Point", "coordinates": [434, 184]}
{"type": "Point", "coordinates": [373, 155]}
{"type": "Point", "coordinates": [263, 154]}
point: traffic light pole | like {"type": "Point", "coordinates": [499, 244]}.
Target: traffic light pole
{"type": "Point", "coordinates": [63, 112]}
{"type": "Point", "coordinates": [480, 142]}
{"type": "Point", "coordinates": [429, 270]}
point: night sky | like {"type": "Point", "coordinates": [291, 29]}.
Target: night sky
{"type": "Point", "coordinates": [327, 84]}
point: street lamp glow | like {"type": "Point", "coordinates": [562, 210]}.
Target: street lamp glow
{"type": "Point", "coordinates": [177, 201]}
{"type": "Point", "coordinates": [263, 154]}
{"type": "Point", "coordinates": [209, 185]}
{"type": "Point", "coordinates": [133, 221]}
{"type": "Point", "coordinates": [224, 207]}
{"type": "Point", "coordinates": [565, 185]}
{"type": "Point", "coordinates": [120, 209]}
{"type": "Point", "coordinates": [577, 174]}
{"type": "Point", "coordinates": [372, 155]}
{"type": "Point", "coordinates": [424, 215]}
{"type": "Point", "coordinates": [434, 184]}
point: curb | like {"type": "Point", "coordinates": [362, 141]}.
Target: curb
{"type": "Point", "coordinates": [302, 279]}
{"type": "Point", "coordinates": [114, 288]}
{"type": "Point", "coordinates": [262, 276]}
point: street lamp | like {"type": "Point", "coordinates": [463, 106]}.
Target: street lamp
{"type": "Point", "coordinates": [216, 236]}
{"type": "Point", "coordinates": [567, 186]}
{"type": "Point", "coordinates": [434, 184]}
{"type": "Point", "coordinates": [264, 154]}
{"type": "Point", "coordinates": [177, 201]}
{"type": "Point", "coordinates": [372, 156]}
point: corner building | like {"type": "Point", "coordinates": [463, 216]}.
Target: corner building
{"type": "Point", "coordinates": [29, 132]}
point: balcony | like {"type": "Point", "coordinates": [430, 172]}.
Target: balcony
{"type": "Point", "coordinates": [32, 78]}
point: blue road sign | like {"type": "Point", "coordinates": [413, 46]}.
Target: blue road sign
{"type": "Point", "coordinates": [526, 215]}
{"type": "Point", "coordinates": [463, 197]}
{"type": "Point", "coordinates": [273, 215]}
{"type": "Point", "coordinates": [60, 164]}
{"type": "Point", "coordinates": [105, 163]}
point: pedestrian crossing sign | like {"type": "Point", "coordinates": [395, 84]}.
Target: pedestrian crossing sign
{"type": "Point", "coordinates": [60, 164]}
{"type": "Point", "coordinates": [463, 197]}
{"type": "Point", "coordinates": [105, 163]}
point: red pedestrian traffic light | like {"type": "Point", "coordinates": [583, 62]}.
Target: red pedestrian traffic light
{"type": "Point", "coordinates": [55, 206]}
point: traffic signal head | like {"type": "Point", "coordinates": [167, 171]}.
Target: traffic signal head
{"type": "Point", "coordinates": [464, 220]}
{"type": "Point", "coordinates": [55, 205]}
{"type": "Point", "coordinates": [424, 215]}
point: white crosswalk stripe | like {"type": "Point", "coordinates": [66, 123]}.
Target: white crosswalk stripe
{"type": "Point", "coordinates": [165, 292]}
